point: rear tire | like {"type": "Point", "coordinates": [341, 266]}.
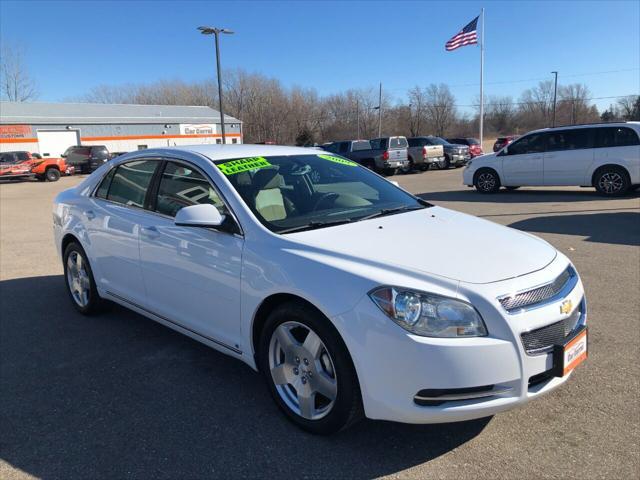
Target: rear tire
{"type": "Point", "coordinates": [52, 174]}
{"type": "Point", "coordinates": [286, 356]}
{"type": "Point", "coordinates": [81, 285]}
{"type": "Point", "coordinates": [487, 180]}
{"type": "Point", "coordinates": [612, 181]}
{"type": "Point", "coordinates": [389, 172]}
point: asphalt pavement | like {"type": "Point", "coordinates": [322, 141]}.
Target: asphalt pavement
{"type": "Point", "coordinates": [120, 396]}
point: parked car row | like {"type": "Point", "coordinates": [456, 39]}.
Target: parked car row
{"type": "Point", "coordinates": [22, 165]}
{"type": "Point", "coordinates": [605, 156]}
{"type": "Point", "coordinates": [388, 155]}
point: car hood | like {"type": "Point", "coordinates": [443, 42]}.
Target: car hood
{"type": "Point", "coordinates": [435, 241]}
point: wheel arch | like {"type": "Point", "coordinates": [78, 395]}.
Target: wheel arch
{"type": "Point", "coordinates": [268, 305]}
{"type": "Point", "coordinates": [599, 168]}
{"type": "Point", "coordinates": [67, 239]}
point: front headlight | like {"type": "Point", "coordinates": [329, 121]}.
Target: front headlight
{"type": "Point", "coordinates": [428, 314]}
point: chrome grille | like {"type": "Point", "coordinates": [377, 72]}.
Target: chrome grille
{"type": "Point", "coordinates": [543, 339]}
{"type": "Point", "coordinates": [537, 295]}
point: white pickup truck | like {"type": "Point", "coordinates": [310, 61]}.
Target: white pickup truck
{"type": "Point", "coordinates": [423, 153]}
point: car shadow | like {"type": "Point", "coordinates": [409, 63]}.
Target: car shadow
{"type": "Point", "coordinates": [118, 395]}
{"type": "Point", "coordinates": [622, 228]}
{"type": "Point", "coordinates": [520, 196]}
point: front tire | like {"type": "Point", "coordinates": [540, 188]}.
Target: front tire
{"type": "Point", "coordinates": [81, 285]}
{"type": "Point", "coordinates": [612, 181]}
{"type": "Point", "coordinates": [487, 181]}
{"type": "Point", "coordinates": [308, 370]}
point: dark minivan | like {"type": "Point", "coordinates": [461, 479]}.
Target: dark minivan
{"type": "Point", "coordinates": [86, 158]}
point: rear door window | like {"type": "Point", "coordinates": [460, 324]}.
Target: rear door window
{"type": "Point", "coordinates": [131, 181]}
{"type": "Point", "coordinates": [574, 139]}
{"type": "Point", "coordinates": [181, 186]}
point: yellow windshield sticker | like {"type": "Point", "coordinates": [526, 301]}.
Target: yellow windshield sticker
{"type": "Point", "coordinates": [243, 165]}
{"type": "Point", "coordinates": [340, 160]}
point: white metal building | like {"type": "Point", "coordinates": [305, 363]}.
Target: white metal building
{"type": "Point", "coordinates": [50, 128]}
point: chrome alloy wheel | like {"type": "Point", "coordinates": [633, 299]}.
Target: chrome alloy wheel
{"type": "Point", "coordinates": [487, 181]}
{"type": "Point", "coordinates": [78, 279]}
{"type": "Point", "coordinates": [611, 182]}
{"type": "Point", "coordinates": [302, 370]}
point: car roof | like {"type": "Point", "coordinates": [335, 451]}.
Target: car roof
{"type": "Point", "coordinates": [588, 125]}
{"type": "Point", "coordinates": [224, 152]}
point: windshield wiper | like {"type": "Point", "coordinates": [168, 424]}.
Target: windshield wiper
{"type": "Point", "coordinates": [314, 225]}
{"type": "Point", "coordinates": [390, 211]}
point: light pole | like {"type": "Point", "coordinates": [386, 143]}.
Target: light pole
{"type": "Point", "coordinates": [555, 91]}
{"type": "Point", "coordinates": [217, 32]}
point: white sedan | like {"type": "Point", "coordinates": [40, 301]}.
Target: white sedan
{"type": "Point", "coordinates": [297, 262]}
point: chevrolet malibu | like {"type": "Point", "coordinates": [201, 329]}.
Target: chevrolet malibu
{"type": "Point", "coordinates": [293, 261]}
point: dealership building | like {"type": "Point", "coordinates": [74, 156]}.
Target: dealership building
{"type": "Point", "coordinates": [50, 128]}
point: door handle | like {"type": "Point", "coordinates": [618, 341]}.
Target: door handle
{"type": "Point", "coordinates": [150, 232]}
{"type": "Point", "coordinates": [89, 214]}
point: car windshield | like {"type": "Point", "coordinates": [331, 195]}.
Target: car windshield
{"type": "Point", "coordinates": [303, 192]}
{"type": "Point", "coordinates": [438, 141]}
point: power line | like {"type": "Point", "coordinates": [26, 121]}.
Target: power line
{"type": "Point", "coordinates": [524, 80]}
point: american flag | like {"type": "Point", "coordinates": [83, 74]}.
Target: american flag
{"type": "Point", "coordinates": [467, 36]}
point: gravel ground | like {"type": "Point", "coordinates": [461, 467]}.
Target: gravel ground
{"type": "Point", "coordinates": [119, 396]}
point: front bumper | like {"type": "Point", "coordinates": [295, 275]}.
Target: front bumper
{"type": "Point", "coordinates": [394, 365]}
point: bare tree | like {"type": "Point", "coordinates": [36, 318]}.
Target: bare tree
{"type": "Point", "coordinates": [440, 108]}
{"type": "Point", "coordinates": [417, 110]}
{"type": "Point", "coordinates": [629, 107]}
{"type": "Point", "coordinates": [500, 114]}
{"type": "Point", "coordinates": [536, 105]}
{"type": "Point", "coordinates": [573, 105]}
{"type": "Point", "coordinates": [17, 85]}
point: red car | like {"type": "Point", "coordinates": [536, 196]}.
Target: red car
{"type": "Point", "coordinates": [26, 165]}
{"type": "Point", "coordinates": [475, 148]}
{"type": "Point", "coordinates": [502, 142]}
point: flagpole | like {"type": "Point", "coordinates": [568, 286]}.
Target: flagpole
{"type": "Point", "coordinates": [482, 79]}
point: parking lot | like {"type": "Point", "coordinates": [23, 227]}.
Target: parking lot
{"type": "Point", "coordinates": [119, 396]}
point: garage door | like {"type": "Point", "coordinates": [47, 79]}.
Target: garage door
{"type": "Point", "coordinates": [53, 143]}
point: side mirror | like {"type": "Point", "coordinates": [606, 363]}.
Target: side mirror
{"type": "Point", "coordinates": [205, 215]}
{"type": "Point", "coordinates": [504, 151]}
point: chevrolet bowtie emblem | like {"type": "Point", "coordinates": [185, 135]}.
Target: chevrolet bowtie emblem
{"type": "Point", "coordinates": [566, 306]}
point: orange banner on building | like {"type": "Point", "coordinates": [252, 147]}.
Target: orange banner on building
{"type": "Point", "coordinates": [15, 131]}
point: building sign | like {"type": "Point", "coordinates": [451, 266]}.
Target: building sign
{"type": "Point", "coordinates": [197, 129]}
{"type": "Point", "coordinates": [15, 131]}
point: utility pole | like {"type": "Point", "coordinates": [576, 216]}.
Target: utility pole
{"type": "Point", "coordinates": [358, 116]}
{"type": "Point", "coordinates": [380, 112]}
{"type": "Point", "coordinates": [217, 32]}
{"type": "Point", "coordinates": [555, 91]}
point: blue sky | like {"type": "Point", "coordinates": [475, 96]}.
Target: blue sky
{"type": "Point", "coordinates": [330, 46]}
